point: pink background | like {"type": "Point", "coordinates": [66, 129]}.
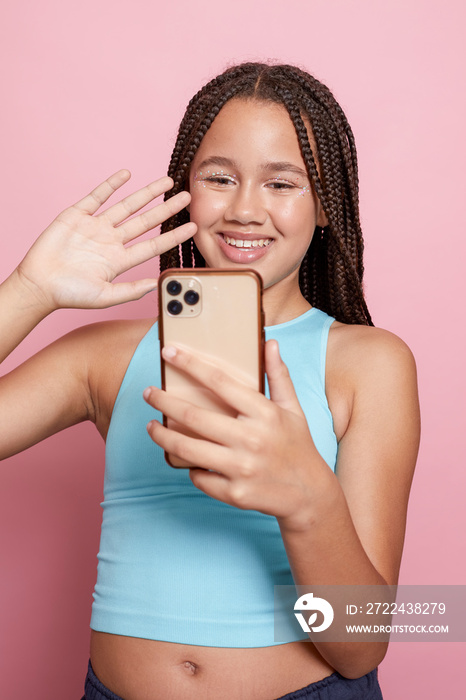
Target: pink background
{"type": "Point", "coordinates": [90, 87]}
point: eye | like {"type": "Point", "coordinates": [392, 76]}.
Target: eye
{"type": "Point", "coordinates": [220, 179]}
{"type": "Point", "coordinates": [216, 178]}
{"type": "Point", "coordinates": [281, 185]}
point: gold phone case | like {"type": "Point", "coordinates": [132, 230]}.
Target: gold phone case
{"type": "Point", "coordinates": [218, 314]}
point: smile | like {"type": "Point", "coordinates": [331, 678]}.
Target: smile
{"type": "Point", "coordinates": [247, 242]}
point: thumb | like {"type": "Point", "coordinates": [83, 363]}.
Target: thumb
{"type": "Point", "coordinates": [282, 391]}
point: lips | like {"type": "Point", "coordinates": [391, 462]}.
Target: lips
{"type": "Point", "coordinates": [243, 248]}
{"type": "Point", "coordinates": [247, 242]}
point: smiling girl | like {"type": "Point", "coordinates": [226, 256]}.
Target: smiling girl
{"type": "Point", "coordinates": [308, 484]}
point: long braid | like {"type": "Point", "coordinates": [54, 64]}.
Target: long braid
{"type": "Point", "coordinates": [342, 249]}
{"type": "Point", "coordinates": [331, 273]}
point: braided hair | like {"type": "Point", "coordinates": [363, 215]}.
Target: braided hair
{"type": "Point", "coordinates": [330, 276]}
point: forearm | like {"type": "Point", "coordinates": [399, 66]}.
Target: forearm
{"type": "Point", "coordinates": [321, 541]}
{"type": "Point", "coordinates": [324, 549]}
{"type": "Point", "coordinates": [20, 311]}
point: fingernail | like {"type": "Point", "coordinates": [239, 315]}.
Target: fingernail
{"type": "Point", "coordinates": [146, 393]}
{"type": "Point", "coordinates": [168, 352]}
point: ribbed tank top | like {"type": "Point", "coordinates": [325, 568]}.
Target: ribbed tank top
{"type": "Point", "coordinates": [175, 564]}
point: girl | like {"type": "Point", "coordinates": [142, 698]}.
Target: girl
{"type": "Point", "coordinates": [309, 484]}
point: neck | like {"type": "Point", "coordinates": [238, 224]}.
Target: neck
{"type": "Point", "coordinates": [282, 305]}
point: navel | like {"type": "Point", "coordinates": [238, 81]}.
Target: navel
{"type": "Point", "coordinates": [190, 667]}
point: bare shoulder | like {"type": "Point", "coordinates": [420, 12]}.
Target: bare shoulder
{"type": "Point", "coordinates": [117, 335]}
{"type": "Point", "coordinates": [108, 347]}
{"type": "Point", "coordinates": [360, 348]}
{"type": "Point", "coordinates": [365, 362]}
{"type": "Point", "coordinates": [99, 348]}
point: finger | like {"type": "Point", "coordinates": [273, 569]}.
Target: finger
{"type": "Point", "coordinates": [236, 493]}
{"type": "Point", "coordinates": [214, 426]}
{"type": "Point", "coordinates": [243, 399]}
{"type": "Point", "coordinates": [211, 483]}
{"type": "Point", "coordinates": [193, 451]}
{"type": "Point", "coordinates": [102, 192]}
{"type": "Point", "coordinates": [141, 252]}
{"type": "Point", "coordinates": [128, 206]}
{"type": "Point", "coordinates": [282, 391]}
{"type": "Point", "coordinates": [155, 216]}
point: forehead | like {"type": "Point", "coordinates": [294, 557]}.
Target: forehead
{"type": "Point", "coordinates": [251, 130]}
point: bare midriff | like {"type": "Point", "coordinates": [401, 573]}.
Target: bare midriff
{"type": "Point", "coordinates": [142, 669]}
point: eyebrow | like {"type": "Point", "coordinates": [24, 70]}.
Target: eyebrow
{"type": "Point", "coordinates": [217, 160]}
{"type": "Point", "coordinates": [283, 165]}
{"type": "Point", "coordinates": [271, 167]}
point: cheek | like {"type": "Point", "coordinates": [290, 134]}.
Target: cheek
{"type": "Point", "coordinates": [297, 218]}
{"type": "Point", "coordinates": [204, 207]}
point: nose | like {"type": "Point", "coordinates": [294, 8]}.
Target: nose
{"type": "Point", "coordinates": [246, 206]}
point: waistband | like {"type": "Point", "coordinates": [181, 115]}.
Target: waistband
{"type": "Point", "coordinates": [334, 687]}
{"type": "Point", "coordinates": [95, 690]}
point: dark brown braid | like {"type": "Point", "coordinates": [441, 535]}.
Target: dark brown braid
{"type": "Point", "coordinates": [331, 273]}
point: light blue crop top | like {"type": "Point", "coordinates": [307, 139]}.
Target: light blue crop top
{"type": "Point", "coordinates": [179, 566]}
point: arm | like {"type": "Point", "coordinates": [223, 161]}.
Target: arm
{"type": "Point", "coordinates": [73, 264]}
{"type": "Point", "coordinates": [356, 530]}
{"type": "Point", "coordinates": [345, 529]}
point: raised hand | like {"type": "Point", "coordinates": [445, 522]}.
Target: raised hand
{"type": "Point", "coordinates": [75, 260]}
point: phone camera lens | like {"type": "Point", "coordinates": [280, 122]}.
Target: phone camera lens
{"type": "Point", "coordinates": [174, 307]}
{"type": "Point", "coordinates": [174, 288]}
{"type": "Point", "coordinates": [191, 297]}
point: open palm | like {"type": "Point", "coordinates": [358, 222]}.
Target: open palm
{"type": "Point", "coordinates": [75, 260]}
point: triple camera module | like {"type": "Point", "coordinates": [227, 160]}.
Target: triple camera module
{"type": "Point", "coordinates": [189, 295]}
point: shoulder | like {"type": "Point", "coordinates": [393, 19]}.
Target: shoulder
{"type": "Point", "coordinates": [105, 350]}
{"type": "Point", "coordinates": [93, 348]}
{"type": "Point", "coordinates": [366, 366]}
{"type": "Point", "coordinates": [96, 337]}
{"type": "Point", "coordinates": [360, 349]}
{"type": "Point", "coordinates": [362, 354]}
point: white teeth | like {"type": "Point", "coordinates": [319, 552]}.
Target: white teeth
{"type": "Point", "coordinates": [247, 242]}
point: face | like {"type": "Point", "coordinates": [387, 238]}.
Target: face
{"type": "Point", "coordinates": [251, 196]}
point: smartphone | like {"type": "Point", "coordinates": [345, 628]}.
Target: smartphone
{"type": "Point", "coordinates": [218, 315]}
